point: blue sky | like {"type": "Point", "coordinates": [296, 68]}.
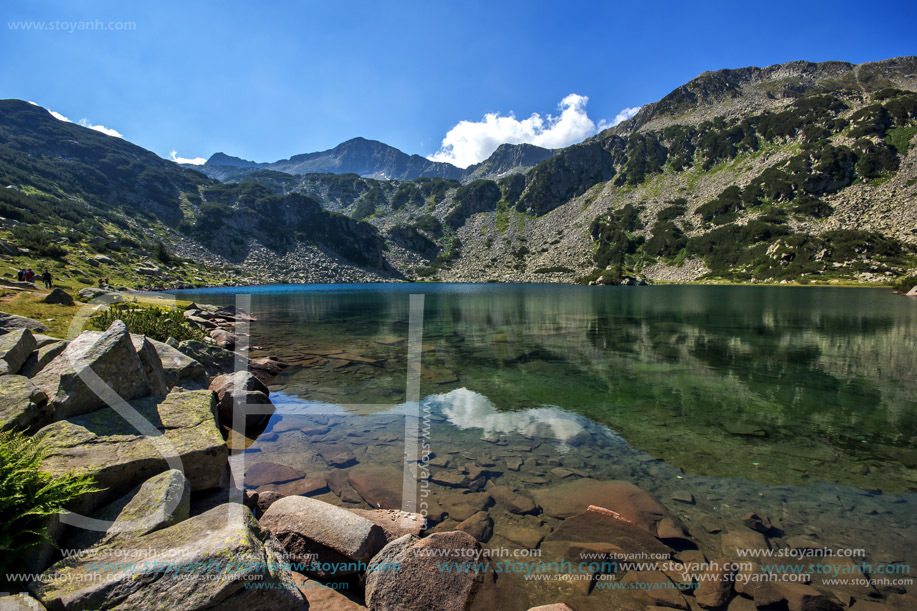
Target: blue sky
{"type": "Point", "coordinates": [266, 80]}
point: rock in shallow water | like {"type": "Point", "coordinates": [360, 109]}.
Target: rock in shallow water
{"type": "Point", "coordinates": [420, 585]}
{"type": "Point", "coordinates": [335, 536]}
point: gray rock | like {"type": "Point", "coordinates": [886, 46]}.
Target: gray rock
{"type": "Point", "coordinates": [41, 357]}
{"type": "Point", "coordinates": [11, 322]}
{"type": "Point", "coordinates": [20, 602]}
{"type": "Point", "coordinates": [59, 296]}
{"type": "Point", "coordinates": [44, 340]}
{"type": "Point", "coordinates": [152, 365]}
{"type": "Point", "coordinates": [88, 294]}
{"type": "Point", "coordinates": [242, 399]}
{"type": "Point", "coordinates": [120, 457]}
{"type": "Point", "coordinates": [215, 360]}
{"type": "Point", "coordinates": [224, 548]}
{"type": "Point", "coordinates": [419, 585]}
{"type": "Point", "coordinates": [175, 364]}
{"type": "Point", "coordinates": [307, 526]}
{"type": "Point", "coordinates": [160, 502]}
{"type": "Point", "coordinates": [22, 404]}
{"type": "Point", "coordinates": [109, 357]}
{"type": "Point", "coordinates": [15, 348]}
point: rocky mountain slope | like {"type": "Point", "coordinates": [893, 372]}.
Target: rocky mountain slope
{"type": "Point", "coordinates": [373, 159]}
{"type": "Point", "coordinates": [798, 172]}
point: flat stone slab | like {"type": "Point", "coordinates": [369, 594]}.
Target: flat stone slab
{"type": "Point", "coordinates": [120, 457]}
{"type": "Point", "coordinates": [204, 562]}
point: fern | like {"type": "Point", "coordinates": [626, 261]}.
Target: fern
{"type": "Point", "coordinates": [29, 496]}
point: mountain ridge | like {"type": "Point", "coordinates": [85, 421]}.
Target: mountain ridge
{"type": "Point", "coordinates": [374, 159]}
{"type": "Point", "coordinates": [799, 172]}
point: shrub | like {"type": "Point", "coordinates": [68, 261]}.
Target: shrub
{"type": "Point", "coordinates": [905, 284]}
{"type": "Point", "coordinates": [37, 241]}
{"type": "Point", "coordinates": [153, 321]}
{"type": "Point", "coordinates": [29, 496]}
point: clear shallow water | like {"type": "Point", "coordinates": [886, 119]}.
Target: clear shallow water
{"type": "Point", "coordinates": [779, 385]}
{"type": "Point", "coordinates": [797, 403]}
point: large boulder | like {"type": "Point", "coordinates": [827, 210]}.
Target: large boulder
{"type": "Point", "coordinates": [22, 404]}
{"type": "Point", "coordinates": [160, 502]}
{"type": "Point", "coordinates": [242, 399]}
{"type": "Point", "coordinates": [152, 365]}
{"type": "Point", "coordinates": [176, 365]}
{"type": "Point", "coordinates": [419, 584]}
{"type": "Point", "coordinates": [629, 501]}
{"type": "Point", "coordinates": [209, 561]}
{"type": "Point", "coordinates": [59, 296]}
{"type": "Point", "coordinates": [41, 357]}
{"type": "Point", "coordinates": [11, 322]}
{"type": "Point", "coordinates": [106, 445]}
{"type": "Point", "coordinates": [15, 348]}
{"type": "Point", "coordinates": [338, 540]}
{"type": "Point", "coordinates": [72, 380]}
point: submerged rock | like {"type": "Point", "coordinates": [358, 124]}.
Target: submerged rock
{"type": "Point", "coordinates": [632, 503]}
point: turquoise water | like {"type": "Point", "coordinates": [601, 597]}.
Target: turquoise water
{"type": "Point", "coordinates": [777, 384]}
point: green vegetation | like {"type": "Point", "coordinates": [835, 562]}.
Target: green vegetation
{"type": "Point", "coordinates": [29, 496]}
{"type": "Point", "coordinates": [900, 138]}
{"type": "Point", "coordinates": [443, 260]}
{"type": "Point", "coordinates": [159, 323]}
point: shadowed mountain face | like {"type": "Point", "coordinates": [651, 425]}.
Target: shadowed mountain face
{"type": "Point", "coordinates": [372, 159]}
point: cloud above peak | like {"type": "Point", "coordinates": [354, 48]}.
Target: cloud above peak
{"type": "Point", "coordinates": [188, 160]}
{"type": "Point", "coordinates": [85, 123]}
{"type": "Point", "coordinates": [471, 142]}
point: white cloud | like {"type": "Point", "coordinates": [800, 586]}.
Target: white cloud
{"type": "Point", "coordinates": [192, 161]}
{"type": "Point", "coordinates": [473, 141]}
{"type": "Point", "coordinates": [622, 116]}
{"type": "Point", "coordinates": [85, 123]}
{"type": "Point", "coordinates": [59, 116]}
{"type": "Point", "coordinates": [101, 128]}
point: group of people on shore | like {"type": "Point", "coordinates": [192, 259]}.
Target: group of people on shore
{"type": "Point", "coordinates": [27, 275]}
